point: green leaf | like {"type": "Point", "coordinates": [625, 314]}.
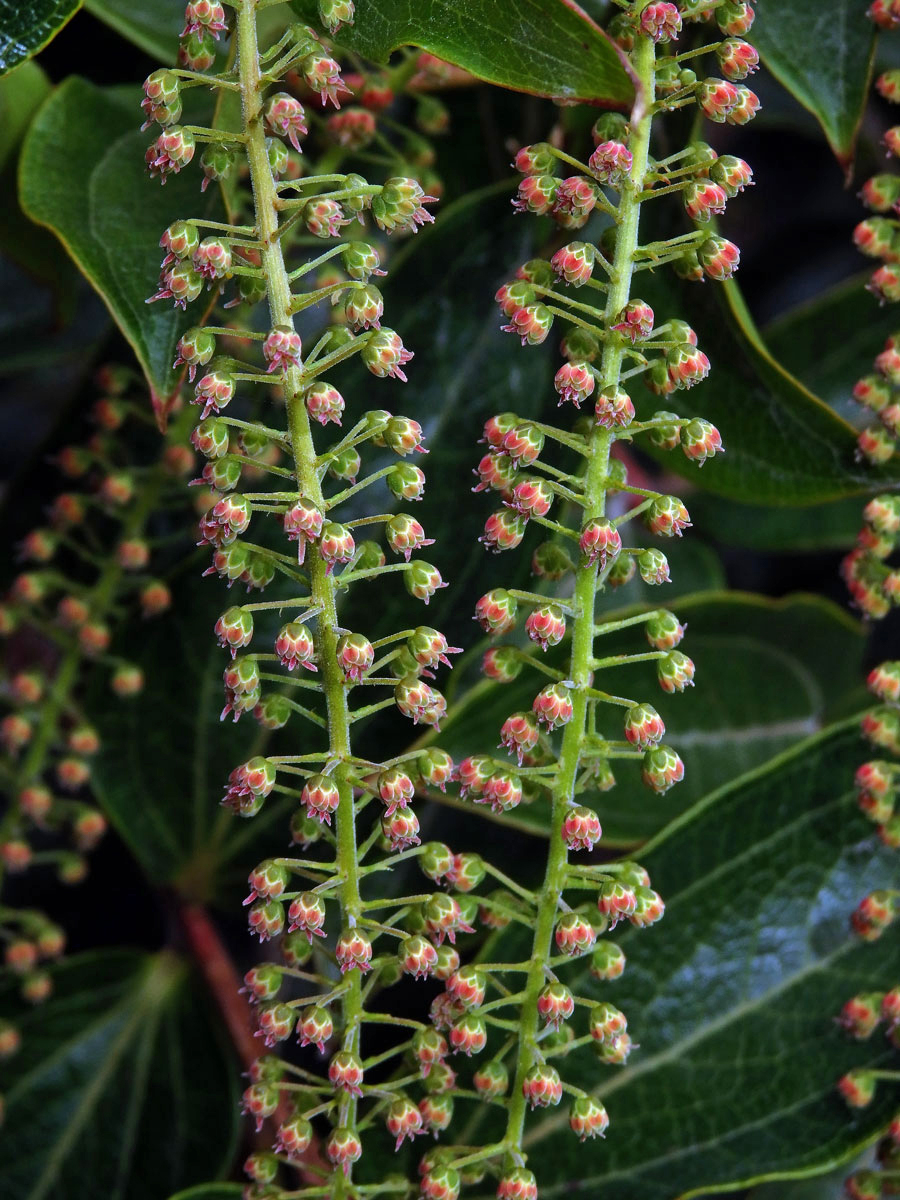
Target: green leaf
{"type": "Point", "coordinates": [26, 26]}
{"type": "Point", "coordinates": [768, 673]}
{"type": "Point", "coordinates": [822, 54]}
{"type": "Point", "coordinates": [21, 94]}
{"type": "Point", "coordinates": [82, 174]}
{"type": "Point", "coordinates": [732, 998]}
{"type": "Point", "coordinates": [783, 444]}
{"type": "Point", "coordinates": [122, 1087]}
{"type": "Point", "coordinates": [547, 47]}
{"type": "Point", "coordinates": [30, 246]}
{"type": "Point", "coordinates": [817, 527]}
{"type": "Point", "coordinates": [830, 366]}
{"type": "Point", "coordinates": [153, 25]}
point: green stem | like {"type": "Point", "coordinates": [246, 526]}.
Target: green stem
{"type": "Point", "coordinates": [322, 585]}
{"type": "Point", "coordinates": [582, 627]}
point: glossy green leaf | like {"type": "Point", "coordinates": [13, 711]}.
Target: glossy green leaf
{"type": "Point", "coordinates": [548, 47]}
{"type": "Point", "coordinates": [123, 1087]}
{"type": "Point", "coordinates": [816, 527]}
{"type": "Point", "coordinates": [26, 26]}
{"type": "Point", "coordinates": [153, 25]}
{"type": "Point", "coordinates": [732, 998]}
{"type": "Point", "coordinates": [82, 174]}
{"type": "Point", "coordinates": [21, 94]}
{"type": "Point", "coordinates": [803, 343]}
{"type": "Point", "coordinates": [822, 54]}
{"type": "Point", "coordinates": [31, 247]}
{"type": "Point", "coordinates": [783, 444]}
{"type": "Point", "coordinates": [768, 672]}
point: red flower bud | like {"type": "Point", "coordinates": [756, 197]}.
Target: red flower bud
{"type": "Point", "coordinates": [661, 769]}
{"type": "Point", "coordinates": [354, 949]}
{"type": "Point", "coordinates": [600, 542]}
{"type": "Point", "coordinates": [581, 828]}
{"type": "Point", "coordinates": [536, 194]}
{"type": "Point", "coordinates": [403, 1120]}
{"type": "Point", "coordinates": [675, 672]}
{"type": "Point", "coordinates": [574, 263]}
{"type": "Point", "coordinates": [284, 117]}
{"type": "Point", "coordinates": [611, 162]}
{"type": "Point", "coordinates": [719, 258]}
{"type": "Point", "coordinates": [468, 1035]}
{"type": "Point", "coordinates": [531, 323]}
{"type": "Point", "coordinates": [661, 22]}
{"type": "Point", "coordinates": [517, 1184]}
{"type": "Point", "coordinates": [519, 734]}
{"type": "Point", "coordinates": [546, 625]}
{"type": "Point", "coordinates": [614, 408]}
{"type": "Point", "coordinates": [491, 1079]}
{"type": "Point", "coordinates": [282, 348]}
{"type": "Point", "coordinates": [343, 1146]}
{"type": "Point", "coordinates": [574, 935]}
{"type": "Point", "coordinates": [553, 706]}
{"type": "Point", "coordinates": [635, 321]}
{"type": "Point", "coordinates": [542, 1087]}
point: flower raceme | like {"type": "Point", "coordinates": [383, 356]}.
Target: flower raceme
{"type": "Point", "coordinates": [60, 613]}
{"type": "Point", "coordinates": [611, 341]}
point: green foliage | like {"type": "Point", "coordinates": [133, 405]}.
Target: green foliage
{"type": "Point", "coordinates": [548, 47]}
{"type": "Point", "coordinates": [822, 54]}
{"type": "Point", "coordinates": [733, 997]}
{"type": "Point", "coordinates": [153, 25]}
{"type": "Point", "coordinates": [26, 26]}
{"type": "Point", "coordinates": [122, 1086]}
{"type": "Point", "coordinates": [82, 175]}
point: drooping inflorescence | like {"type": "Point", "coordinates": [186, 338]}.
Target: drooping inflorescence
{"type": "Point", "coordinates": [565, 744]}
{"type": "Point", "coordinates": [874, 585]}
{"type": "Point", "coordinates": [85, 569]}
{"type": "Point", "coordinates": [336, 929]}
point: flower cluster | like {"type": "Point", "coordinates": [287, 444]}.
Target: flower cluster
{"type": "Point", "coordinates": [559, 747]}
{"type": "Point", "coordinates": [57, 618]}
{"type": "Point", "coordinates": [266, 400]}
{"type": "Point", "coordinates": [875, 587]}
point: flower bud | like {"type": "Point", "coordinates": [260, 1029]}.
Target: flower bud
{"type": "Point", "coordinates": [435, 765]}
{"type": "Point", "coordinates": [531, 323]}
{"type": "Point", "coordinates": [282, 348]}
{"type": "Point", "coordinates": [321, 796]}
{"type": "Point", "coordinates": [857, 1088]}
{"type": "Point", "coordinates": [643, 726]}
{"type": "Point", "coordinates": [542, 1086]}
{"type": "Point", "coordinates": [343, 1147]}
{"type": "Point", "coordinates": [611, 162]}
{"type": "Point", "coordinates": [353, 950]}
{"type": "Point", "coordinates": [468, 1035]}
{"type": "Point", "coordinates": [600, 542]}
{"type": "Point", "coordinates": [546, 625]}
{"type": "Point", "coordinates": [574, 934]}
{"type": "Point", "coordinates": [553, 706]}
{"type": "Point", "coordinates": [675, 672]}
{"type": "Point", "coordinates": [634, 321]}
{"type": "Point", "coordinates": [653, 566]}
{"type": "Point", "coordinates": [661, 769]}
{"type": "Point", "coordinates": [266, 919]}
{"type": "Point", "coordinates": [607, 961]}
{"type": "Point", "coordinates": [443, 918]}
{"type": "Point", "coordinates": [661, 22]}
{"type": "Point", "coordinates": [503, 530]}
{"type": "Point", "coordinates": [385, 355]}
{"type": "Point", "coordinates": [719, 258]}
{"type": "Point", "coordinates": [440, 1182]}
{"type": "Point", "coordinates": [491, 1079]}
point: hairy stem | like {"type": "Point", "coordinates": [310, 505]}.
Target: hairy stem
{"type": "Point", "coordinates": [583, 629]}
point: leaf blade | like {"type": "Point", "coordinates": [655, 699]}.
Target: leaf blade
{"type": "Point", "coordinates": [547, 47]}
